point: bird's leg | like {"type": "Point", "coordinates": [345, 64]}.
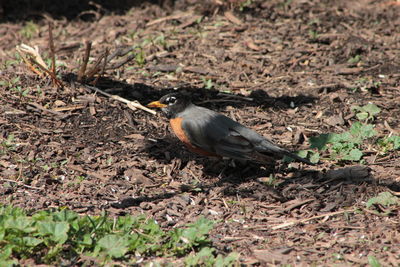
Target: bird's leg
{"type": "Point", "coordinates": [227, 163]}
{"type": "Point", "coordinates": [231, 163]}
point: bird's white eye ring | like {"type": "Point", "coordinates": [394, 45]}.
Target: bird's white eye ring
{"type": "Point", "coordinates": [171, 100]}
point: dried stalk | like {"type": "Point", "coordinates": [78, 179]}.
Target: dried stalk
{"type": "Point", "coordinates": [82, 70]}
{"type": "Point", "coordinates": [96, 67]}
{"type": "Point", "coordinates": [103, 68]}
{"type": "Point", "coordinates": [131, 104]}
{"type": "Point", "coordinates": [35, 62]}
{"type": "Point", "coordinates": [52, 50]}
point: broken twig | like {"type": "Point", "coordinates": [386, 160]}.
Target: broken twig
{"type": "Point", "coordinates": [21, 184]}
{"type": "Point", "coordinates": [40, 107]}
{"type": "Point", "coordinates": [131, 104]}
{"type": "Point", "coordinates": [35, 62]}
{"type": "Point", "coordinates": [293, 223]}
{"type": "Point", "coordinates": [52, 50]}
{"type": "Point", "coordinates": [103, 68]}
{"type": "Point", "coordinates": [82, 70]}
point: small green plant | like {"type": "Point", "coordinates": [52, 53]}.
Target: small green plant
{"type": "Point", "coordinates": [389, 143]}
{"type": "Point", "coordinates": [244, 4]}
{"type": "Point", "coordinates": [312, 155]}
{"type": "Point", "coordinates": [270, 181]}
{"type": "Point", "coordinates": [59, 63]}
{"type": "Point", "coordinates": [10, 83]}
{"type": "Point", "coordinates": [145, 42]}
{"type": "Point", "coordinates": [199, 20]}
{"type": "Point", "coordinates": [11, 62]}
{"type": "Point", "coordinates": [20, 91]}
{"type": "Point", "coordinates": [160, 39]}
{"type": "Point", "coordinates": [14, 86]}
{"type": "Point", "coordinates": [110, 160]}
{"type": "Point", "coordinates": [29, 30]}
{"type": "Point", "coordinates": [207, 83]}
{"type": "Point", "coordinates": [354, 60]}
{"type": "Point", "coordinates": [284, 4]}
{"type": "Point", "coordinates": [313, 35]}
{"type": "Point", "coordinates": [373, 261]}
{"type": "Point", "coordinates": [347, 145]}
{"type": "Point", "coordinates": [7, 144]}
{"type": "Point", "coordinates": [140, 58]}
{"type": "Point", "coordinates": [366, 84]}
{"type": "Point", "coordinates": [337, 256]}
{"type": "Point", "coordinates": [367, 112]}
{"type": "Point", "coordinates": [384, 202]}
{"type": "Point", "coordinates": [80, 178]}
{"type": "Point", "coordinates": [132, 34]}
{"type": "Point", "coordinates": [206, 257]}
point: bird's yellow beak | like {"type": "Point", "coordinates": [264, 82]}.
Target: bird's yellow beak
{"type": "Point", "coordinates": [156, 104]}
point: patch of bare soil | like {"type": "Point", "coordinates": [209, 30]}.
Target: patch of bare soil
{"type": "Point", "coordinates": [302, 63]}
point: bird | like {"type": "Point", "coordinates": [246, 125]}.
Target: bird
{"type": "Point", "coordinates": [210, 133]}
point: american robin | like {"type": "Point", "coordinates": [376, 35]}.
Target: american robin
{"type": "Point", "coordinates": [210, 133]}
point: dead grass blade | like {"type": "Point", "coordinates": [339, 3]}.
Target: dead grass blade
{"type": "Point", "coordinates": [35, 62]}
{"type": "Point", "coordinates": [29, 54]}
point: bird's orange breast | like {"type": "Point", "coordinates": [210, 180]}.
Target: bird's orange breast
{"type": "Point", "coordinates": [176, 125]}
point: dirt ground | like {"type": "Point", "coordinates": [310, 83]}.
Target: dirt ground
{"type": "Point", "coordinates": [289, 69]}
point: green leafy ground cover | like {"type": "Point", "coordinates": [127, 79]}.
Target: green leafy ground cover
{"type": "Point", "coordinates": [64, 237]}
{"type": "Point", "coordinates": [349, 145]}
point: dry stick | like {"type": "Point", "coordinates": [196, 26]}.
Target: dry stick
{"type": "Point", "coordinates": [106, 60]}
{"type": "Point", "coordinates": [52, 75]}
{"type": "Point", "coordinates": [131, 104]}
{"type": "Point", "coordinates": [394, 193]}
{"type": "Point", "coordinates": [52, 50]}
{"type": "Point", "coordinates": [30, 65]}
{"type": "Point", "coordinates": [122, 62]}
{"type": "Point", "coordinates": [24, 51]}
{"type": "Point", "coordinates": [95, 69]}
{"type": "Point", "coordinates": [32, 52]}
{"type": "Point", "coordinates": [287, 224]}
{"type": "Point", "coordinates": [119, 53]}
{"type": "Point", "coordinates": [40, 107]}
{"type": "Point", "coordinates": [171, 17]}
{"type": "Point", "coordinates": [33, 56]}
{"type": "Point", "coordinates": [298, 204]}
{"type": "Point", "coordinates": [21, 184]}
{"type": "Point", "coordinates": [103, 68]}
{"type": "Point", "coordinates": [82, 70]}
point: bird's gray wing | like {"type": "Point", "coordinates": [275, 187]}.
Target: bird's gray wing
{"type": "Point", "coordinates": [214, 132]}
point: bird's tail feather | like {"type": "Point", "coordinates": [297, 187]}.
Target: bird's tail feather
{"type": "Point", "coordinates": [296, 157]}
{"type": "Point", "coordinates": [269, 147]}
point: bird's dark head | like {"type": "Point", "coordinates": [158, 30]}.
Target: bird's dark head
{"type": "Point", "coordinates": [171, 104]}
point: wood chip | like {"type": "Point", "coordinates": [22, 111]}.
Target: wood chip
{"type": "Point", "coordinates": [175, 16]}
{"type": "Point", "coordinates": [250, 44]}
{"type": "Point", "coordinates": [232, 18]}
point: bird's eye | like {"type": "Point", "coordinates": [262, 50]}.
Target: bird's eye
{"type": "Point", "coordinates": [171, 100]}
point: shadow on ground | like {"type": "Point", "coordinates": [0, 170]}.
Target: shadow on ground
{"type": "Point", "coordinates": [212, 99]}
{"type": "Point", "coordinates": [325, 191]}
{"type": "Point", "coordinates": [24, 10]}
